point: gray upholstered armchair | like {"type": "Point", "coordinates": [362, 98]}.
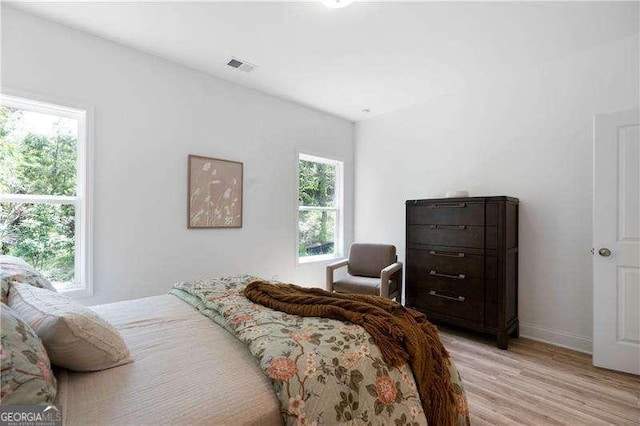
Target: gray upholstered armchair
{"type": "Point", "coordinates": [373, 269]}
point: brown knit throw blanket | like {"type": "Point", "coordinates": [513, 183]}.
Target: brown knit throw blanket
{"type": "Point", "coordinates": [402, 334]}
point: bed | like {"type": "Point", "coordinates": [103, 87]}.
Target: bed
{"type": "Point", "coordinates": [185, 370]}
{"type": "Point", "coordinates": [207, 353]}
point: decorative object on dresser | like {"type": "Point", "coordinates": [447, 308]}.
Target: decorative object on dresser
{"type": "Point", "coordinates": [462, 262]}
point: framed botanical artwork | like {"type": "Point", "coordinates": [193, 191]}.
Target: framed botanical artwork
{"type": "Point", "coordinates": [215, 193]}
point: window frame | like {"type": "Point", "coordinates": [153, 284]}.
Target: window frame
{"type": "Point", "coordinates": [82, 201]}
{"type": "Point", "coordinates": [338, 208]}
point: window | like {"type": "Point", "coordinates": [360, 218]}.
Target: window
{"type": "Point", "coordinates": [320, 215]}
{"type": "Point", "coordinates": [43, 190]}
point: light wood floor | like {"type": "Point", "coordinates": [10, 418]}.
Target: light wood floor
{"type": "Point", "coordinates": [535, 383]}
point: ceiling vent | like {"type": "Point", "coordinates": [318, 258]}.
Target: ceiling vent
{"type": "Point", "coordinates": [241, 65]}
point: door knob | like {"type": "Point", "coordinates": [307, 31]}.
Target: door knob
{"type": "Point", "coordinates": [604, 252]}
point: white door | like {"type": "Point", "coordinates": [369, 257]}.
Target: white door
{"type": "Point", "coordinates": [616, 240]}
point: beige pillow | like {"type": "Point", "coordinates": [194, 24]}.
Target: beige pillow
{"type": "Point", "coordinates": [75, 337]}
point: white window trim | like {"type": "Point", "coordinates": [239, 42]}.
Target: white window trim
{"type": "Point", "coordinates": [339, 208]}
{"type": "Point", "coordinates": [84, 183]}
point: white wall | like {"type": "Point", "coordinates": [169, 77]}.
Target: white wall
{"type": "Point", "coordinates": [149, 115]}
{"type": "Point", "coordinates": [526, 135]}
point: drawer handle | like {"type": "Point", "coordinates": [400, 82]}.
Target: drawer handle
{"type": "Point", "coordinates": [457, 277]}
{"type": "Point", "coordinates": [457, 299]}
{"type": "Point", "coordinates": [458, 227]}
{"type": "Point", "coordinates": [445, 254]}
{"type": "Point", "coordinates": [449, 206]}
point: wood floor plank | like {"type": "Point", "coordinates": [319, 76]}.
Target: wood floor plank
{"type": "Point", "coordinates": [534, 383]}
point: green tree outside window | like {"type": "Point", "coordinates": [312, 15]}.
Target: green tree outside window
{"type": "Point", "coordinates": [37, 162]}
{"type": "Point", "coordinates": [317, 208]}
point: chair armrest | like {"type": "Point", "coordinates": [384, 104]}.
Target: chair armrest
{"type": "Point", "coordinates": [337, 264]}
{"type": "Point", "coordinates": [332, 267]}
{"type": "Point", "coordinates": [385, 275]}
{"type": "Point", "coordinates": [391, 269]}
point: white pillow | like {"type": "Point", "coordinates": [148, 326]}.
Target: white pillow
{"type": "Point", "coordinates": [74, 336]}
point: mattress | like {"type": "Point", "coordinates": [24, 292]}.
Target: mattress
{"type": "Point", "coordinates": [186, 370]}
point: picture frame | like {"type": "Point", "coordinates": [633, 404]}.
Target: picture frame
{"type": "Point", "coordinates": [214, 193]}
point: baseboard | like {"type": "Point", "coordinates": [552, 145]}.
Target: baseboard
{"type": "Point", "coordinates": [556, 337]}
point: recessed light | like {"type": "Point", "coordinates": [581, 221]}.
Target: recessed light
{"type": "Point", "coordinates": [337, 4]}
{"type": "Point", "coordinates": [366, 110]}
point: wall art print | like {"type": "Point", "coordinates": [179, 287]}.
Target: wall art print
{"type": "Point", "coordinates": [215, 193]}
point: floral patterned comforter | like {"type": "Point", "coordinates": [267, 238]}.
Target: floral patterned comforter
{"type": "Point", "coordinates": [324, 371]}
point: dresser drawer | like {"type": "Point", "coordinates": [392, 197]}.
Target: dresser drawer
{"type": "Point", "coordinates": [464, 303]}
{"type": "Point", "coordinates": [447, 235]}
{"type": "Point", "coordinates": [447, 213]}
{"type": "Point", "coordinates": [451, 262]}
{"type": "Point", "coordinates": [421, 283]}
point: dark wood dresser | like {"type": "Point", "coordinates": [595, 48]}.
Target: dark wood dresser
{"type": "Point", "coordinates": [462, 262]}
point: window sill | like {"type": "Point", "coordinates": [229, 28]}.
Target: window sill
{"type": "Point", "coordinates": [76, 292]}
{"type": "Point", "coordinates": [317, 259]}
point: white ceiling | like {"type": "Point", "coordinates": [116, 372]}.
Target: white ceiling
{"type": "Point", "coordinates": [377, 56]}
